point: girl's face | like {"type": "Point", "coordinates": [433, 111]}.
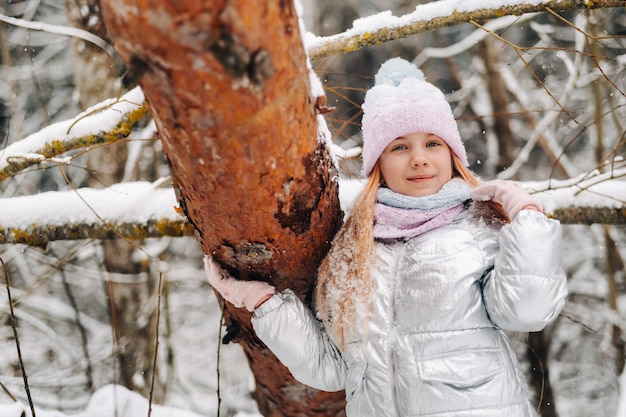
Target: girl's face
{"type": "Point", "coordinates": [416, 164]}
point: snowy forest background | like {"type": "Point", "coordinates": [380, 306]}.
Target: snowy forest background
{"type": "Point", "coordinates": [63, 294]}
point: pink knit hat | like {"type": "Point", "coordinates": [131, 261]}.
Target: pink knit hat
{"type": "Point", "coordinates": [402, 102]}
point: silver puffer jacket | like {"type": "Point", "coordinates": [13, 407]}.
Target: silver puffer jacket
{"type": "Point", "coordinates": [434, 344]}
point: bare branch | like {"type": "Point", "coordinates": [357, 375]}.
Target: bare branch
{"type": "Point", "coordinates": [7, 284]}
{"type": "Point", "coordinates": [65, 31]}
{"type": "Point", "coordinates": [392, 28]}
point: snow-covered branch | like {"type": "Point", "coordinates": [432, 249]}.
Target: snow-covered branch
{"type": "Point", "coordinates": [106, 122]}
{"type": "Point", "coordinates": [385, 27]}
{"type": "Point", "coordinates": [40, 235]}
{"type": "Point", "coordinates": [590, 215]}
{"type": "Point", "coordinates": [65, 31]}
{"type": "Point", "coordinates": [121, 210]}
{"type": "Point", "coordinates": [133, 210]}
{"type": "Point", "coordinates": [591, 198]}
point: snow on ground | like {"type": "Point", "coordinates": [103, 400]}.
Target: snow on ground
{"type": "Point", "coordinates": [110, 401]}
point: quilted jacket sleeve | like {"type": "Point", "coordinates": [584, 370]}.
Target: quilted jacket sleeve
{"type": "Point", "coordinates": [291, 331]}
{"type": "Point", "coordinates": [527, 287]}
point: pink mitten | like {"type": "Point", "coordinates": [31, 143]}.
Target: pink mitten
{"type": "Point", "coordinates": [238, 292]}
{"type": "Point", "coordinates": [511, 196]}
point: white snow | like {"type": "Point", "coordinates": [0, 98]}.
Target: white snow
{"type": "Point", "coordinates": [109, 401]}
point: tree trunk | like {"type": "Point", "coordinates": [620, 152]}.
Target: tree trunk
{"type": "Point", "coordinates": [133, 324]}
{"type": "Point", "coordinates": [227, 83]}
{"type": "Point", "coordinates": [537, 353]}
{"type": "Point", "coordinates": [615, 268]}
{"type": "Point", "coordinates": [499, 98]}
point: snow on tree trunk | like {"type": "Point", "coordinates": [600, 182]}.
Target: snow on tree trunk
{"type": "Point", "coordinates": [227, 84]}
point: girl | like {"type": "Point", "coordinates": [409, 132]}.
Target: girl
{"type": "Point", "coordinates": [422, 278]}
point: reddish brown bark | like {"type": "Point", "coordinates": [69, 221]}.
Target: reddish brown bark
{"type": "Point", "coordinates": [227, 84]}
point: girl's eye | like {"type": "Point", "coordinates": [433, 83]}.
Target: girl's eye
{"type": "Point", "coordinates": [399, 148]}
{"type": "Point", "coordinates": [433, 143]}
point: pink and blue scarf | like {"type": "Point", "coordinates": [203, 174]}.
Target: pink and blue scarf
{"type": "Point", "coordinates": [399, 216]}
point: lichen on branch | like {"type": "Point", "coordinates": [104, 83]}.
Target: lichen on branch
{"type": "Point", "coordinates": [40, 235]}
{"type": "Point", "coordinates": [392, 28]}
{"type": "Point", "coordinates": [107, 122]}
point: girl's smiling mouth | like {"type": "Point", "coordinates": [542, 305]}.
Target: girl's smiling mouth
{"type": "Point", "coordinates": [421, 178]}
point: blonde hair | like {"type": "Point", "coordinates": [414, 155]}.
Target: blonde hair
{"type": "Point", "coordinates": [344, 283]}
{"type": "Point", "coordinates": [460, 170]}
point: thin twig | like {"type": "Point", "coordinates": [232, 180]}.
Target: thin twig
{"type": "Point", "coordinates": [7, 392]}
{"type": "Point", "coordinates": [156, 344]}
{"type": "Point", "coordinates": [587, 37]}
{"type": "Point", "coordinates": [106, 223]}
{"type": "Point", "coordinates": [518, 51]}
{"type": "Point", "coordinates": [17, 340]}
{"type": "Point", "coordinates": [109, 290]}
{"type": "Point", "coordinates": [100, 110]}
{"type": "Point", "coordinates": [577, 321]}
{"type": "Point", "coordinates": [168, 332]}
{"type": "Point", "coordinates": [81, 329]}
{"type": "Point", "coordinates": [217, 367]}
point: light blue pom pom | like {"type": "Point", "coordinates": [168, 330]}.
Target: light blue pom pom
{"type": "Point", "coordinates": [394, 70]}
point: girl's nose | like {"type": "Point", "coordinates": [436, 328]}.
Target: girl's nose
{"type": "Point", "coordinates": [418, 158]}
